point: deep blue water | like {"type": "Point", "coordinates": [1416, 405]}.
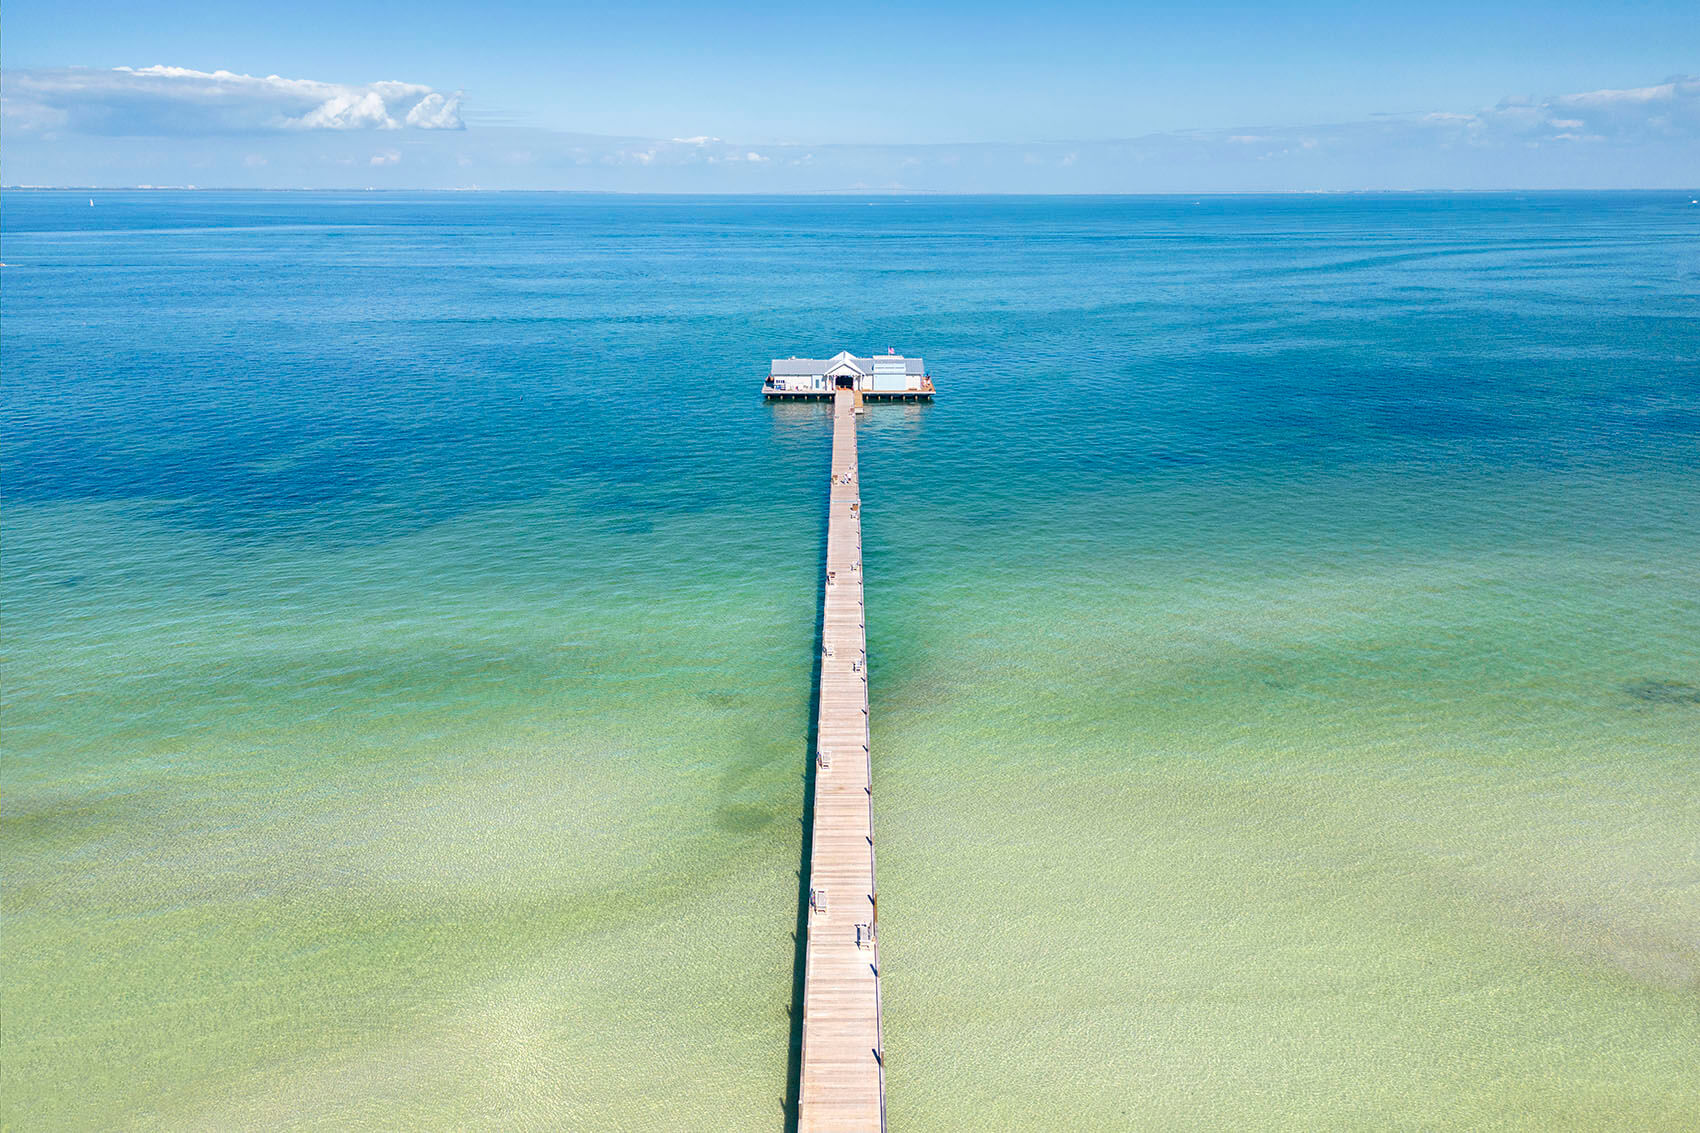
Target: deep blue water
{"type": "Point", "coordinates": [162, 344]}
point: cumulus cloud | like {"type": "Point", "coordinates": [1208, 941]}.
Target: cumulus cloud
{"type": "Point", "coordinates": [178, 100]}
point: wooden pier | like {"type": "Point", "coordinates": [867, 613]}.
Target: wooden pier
{"type": "Point", "coordinates": [843, 1069]}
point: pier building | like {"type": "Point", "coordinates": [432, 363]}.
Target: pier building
{"type": "Point", "coordinates": [877, 377]}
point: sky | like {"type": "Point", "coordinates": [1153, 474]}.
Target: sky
{"type": "Point", "coordinates": [657, 96]}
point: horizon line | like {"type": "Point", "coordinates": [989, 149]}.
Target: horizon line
{"type": "Point", "coordinates": [871, 192]}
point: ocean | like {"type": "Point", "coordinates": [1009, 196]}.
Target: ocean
{"type": "Point", "coordinates": [1284, 638]}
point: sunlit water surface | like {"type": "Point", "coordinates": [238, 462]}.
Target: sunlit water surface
{"type": "Point", "coordinates": [1285, 637]}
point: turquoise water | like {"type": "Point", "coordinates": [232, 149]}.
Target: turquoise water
{"type": "Point", "coordinates": [1284, 634]}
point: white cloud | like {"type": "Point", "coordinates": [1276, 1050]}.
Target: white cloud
{"type": "Point", "coordinates": [330, 134]}
{"type": "Point", "coordinates": [1665, 113]}
{"type": "Point", "coordinates": [1667, 91]}
{"type": "Point", "coordinates": [353, 110]}
{"type": "Point", "coordinates": [1670, 109]}
{"type": "Point", "coordinates": [158, 101]}
{"type": "Point", "coordinates": [436, 112]}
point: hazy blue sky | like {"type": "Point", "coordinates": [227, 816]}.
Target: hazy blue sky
{"type": "Point", "coordinates": [808, 96]}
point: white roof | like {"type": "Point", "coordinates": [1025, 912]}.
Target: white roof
{"type": "Point", "coordinates": [844, 362]}
{"type": "Point", "coordinates": [818, 367]}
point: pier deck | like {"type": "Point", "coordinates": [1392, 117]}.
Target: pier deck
{"type": "Point", "coordinates": [843, 1074]}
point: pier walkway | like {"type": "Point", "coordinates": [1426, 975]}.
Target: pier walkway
{"type": "Point", "coordinates": [843, 1072]}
